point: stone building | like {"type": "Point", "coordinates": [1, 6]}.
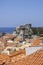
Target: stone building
{"type": "Point", "coordinates": [24, 31]}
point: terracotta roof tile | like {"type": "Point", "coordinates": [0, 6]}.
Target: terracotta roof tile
{"type": "Point", "coordinates": [9, 36]}
{"type": "Point", "coordinates": [33, 59]}
{"type": "Point", "coordinates": [17, 53]}
{"type": "Point", "coordinates": [4, 58]}
{"type": "Point", "coordinates": [36, 42]}
{"type": "Point", "coordinates": [17, 39]}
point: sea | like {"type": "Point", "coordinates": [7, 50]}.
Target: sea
{"type": "Point", "coordinates": [7, 29]}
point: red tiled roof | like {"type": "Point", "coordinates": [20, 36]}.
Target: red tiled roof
{"type": "Point", "coordinates": [33, 59]}
{"type": "Point", "coordinates": [4, 58]}
{"type": "Point", "coordinates": [9, 36]}
{"type": "Point", "coordinates": [17, 53]}
{"type": "Point", "coordinates": [36, 42]}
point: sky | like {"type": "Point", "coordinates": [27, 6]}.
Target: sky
{"type": "Point", "coordinates": [19, 12]}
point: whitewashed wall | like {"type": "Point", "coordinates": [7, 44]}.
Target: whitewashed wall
{"type": "Point", "coordinates": [30, 50]}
